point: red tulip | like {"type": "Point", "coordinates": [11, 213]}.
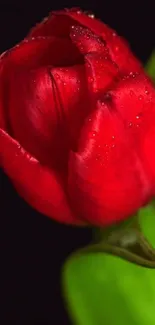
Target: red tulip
{"type": "Point", "coordinates": [77, 126]}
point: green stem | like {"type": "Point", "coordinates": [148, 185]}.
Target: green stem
{"type": "Point", "coordinates": [125, 240]}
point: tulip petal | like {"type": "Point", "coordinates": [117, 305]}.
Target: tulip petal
{"type": "Point", "coordinates": [134, 97]}
{"type": "Point", "coordinates": [88, 42]}
{"type": "Point", "coordinates": [106, 179]}
{"type": "Point", "coordinates": [32, 54]}
{"type": "Point", "coordinates": [36, 115]}
{"type": "Point", "coordinates": [118, 47]}
{"type": "Point", "coordinates": [101, 71]}
{"type": "Point", "coordinates": [3, 118]}
{"type": "Point", "coordinates": [132, 94]}
{"type": "Point", "coordinates": [75, 100]}
{"type": "Point", "coordinates": [38, 185]}
{"type": "Point", "coordinates": [41, 51]}
{"type": "Point", "coordinates": [59, 24]}
{"type": "Point", "coordinates": [45, 115]}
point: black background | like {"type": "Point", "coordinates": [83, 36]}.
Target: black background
{"type": "Point", "coordinates": [32, 247]}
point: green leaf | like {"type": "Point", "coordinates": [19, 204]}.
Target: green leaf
{"type": "Point", "coordinates": [150, 66]}
{"type": "Point", "coordinates": [102, 289]}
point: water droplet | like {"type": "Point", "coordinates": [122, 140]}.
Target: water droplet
{"type": "Point", "coordinates": [98, 157]}
{"type": "Point", "coordinates": [57, 76]}
{"type": "Point", "coordinates": [89, 14]}
{"type": "Point", "coordinates": [88, 65]}
{"type": "Point", "coordinates": [89, 119]}
{"type": "Point", "coordinates": [140, 97]}
{"type": "Point", "coordinates": [114, 34]}
{"type": "Point", "coordinates": [45, 19]}
{"type": "Point", "coordinates": [137, 117]}
{"type": "Point", "coordinates": [116, 48]}
{"type": "Point", "coordinates": [108, 96]}
{"type": "Point", "coordinates": [19, 147]}
{"type": "Point", "coordinates": [90, 79]}
{"type": "Point", "coordinates": [130, 124]}
{"type": "Point", "coordinates": [64, 83]}
{"type": "Point", "coordinates": [87, 36]}
{"type": "Point", "coordinates": [93, 134]}
{"type": "Point", "coordinates": [113, 137]}
{"type": "Point", "coordinates": [146, 92]}
{"type": "Point", "coordinates": [81, 47]}
{"type": "Point", "coordinates": [102, 103]}
{"type": "Point", "coordinates": [132, 74]}
{"type": "Point", "coordinates": [131, 92]}
{"type": "Point", "coordinates": [113, 146]}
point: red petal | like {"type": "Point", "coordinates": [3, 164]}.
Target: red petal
{"type": "Point", "coordinates": [118, 47]}
{"type": "Point", "coordinates": [133, 98]}
{"type": "Point", "coordinates": [42, 51]}
{"type": "Point", "coordinates": [33, 113]}
{"type": "Point", "coordinates": [57, 24]}
{"type": "Point", "coordinates": [38, 185]}
{"type": "Point", "coordinates": [60, 22]}
{"type": "Point", "coordinates": [3, 118]}
{"type": "Point", "coordinates": [87, 41]}
{"type": "Point", "coordinates": [47, 114]}
{"type": "Point", "coordinates": [101, 70]}
{"type": "Point", "coordinates": [107, 182]}
{"type": "Point", "coordinates": [72, 87]}
{"type": "Point", "coordinates": [121, 53]}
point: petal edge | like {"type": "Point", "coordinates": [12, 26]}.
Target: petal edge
{"type": "Point", "coordinates": [38, 185]}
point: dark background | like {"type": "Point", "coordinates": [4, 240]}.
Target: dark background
{"type": "Point", "coordinates": [32, 247]}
